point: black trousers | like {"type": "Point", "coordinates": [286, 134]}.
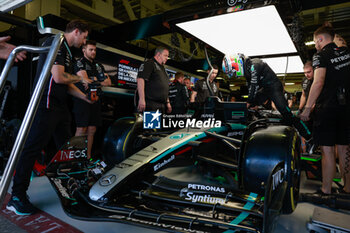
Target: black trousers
{"type": "Point", "coordinates": [274, 91]}
{"type": "Point", "coordinates": [47, 123]}
{"type": "Point", "coordinates": [154, 106]}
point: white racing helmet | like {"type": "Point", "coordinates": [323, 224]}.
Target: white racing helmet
{"type": "Point", "coordinates": [233, 65]}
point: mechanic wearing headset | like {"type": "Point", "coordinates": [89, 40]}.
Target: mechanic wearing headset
{"type": "Point", "coordinates": [88, 116]}
{"type": "Point", "coordinates": [52, 117]}
{"type": "Point", "coordinates": [153, 83]}
{"type": "Point", "coordinates": [329, 94]}
{"type": "Point", "coordinates": [263, 85]}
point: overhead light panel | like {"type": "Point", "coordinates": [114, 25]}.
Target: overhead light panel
{"type": "Point", "coordinates": [279, 64]}
{"type": "Point", "coordinates": [309, 43]}
{"type": "Point", "coordinates": [9, 5]}
{"type": "Point", "coordinates": [254, 32]}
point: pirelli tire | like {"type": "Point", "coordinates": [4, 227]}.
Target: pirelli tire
{"type": "Point", "coordinates": [118, 143]}
{"type": "Point", "coordinates": [262, 151]}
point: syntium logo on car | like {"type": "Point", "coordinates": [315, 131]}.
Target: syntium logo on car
{"type": "Point", "coordinates": [207, 198]}
{"type": "Point", "coordinates": [193, 193]}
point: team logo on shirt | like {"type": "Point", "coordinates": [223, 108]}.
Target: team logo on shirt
{"type": "Point", "coordinates": [142, 66]}
{"type": "Point", "coordinates": [151, 120]}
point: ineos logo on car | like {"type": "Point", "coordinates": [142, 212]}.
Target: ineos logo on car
{"type": "Point", "coordinates": [65, 155]}
{"type": "Point", "coordinates": [108, 180]}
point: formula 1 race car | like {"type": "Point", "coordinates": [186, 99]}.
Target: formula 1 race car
{"type": "Point", "coordinates": [236, 177]}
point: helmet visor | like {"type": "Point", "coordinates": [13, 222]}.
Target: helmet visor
{"type": "Point", "coordinates": [237, 65]}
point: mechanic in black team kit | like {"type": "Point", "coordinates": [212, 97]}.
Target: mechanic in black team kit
{"type": "Point", "coordinates": [88, 116]}
{"type": "Point", "coordinates": [53, 116]}
{"type": "Point", "coordinates": [329, 97]}
{"type": "Point", "coordinates": [178, 95]}
{"type": "Point", "coordinates": [201, 92]}
{"type": "Point", "coordinates": [153, 83]}
{"type": "Point", "coordinates": [306, 84]}
{"type": "Point", "coordinates": [263, 85]}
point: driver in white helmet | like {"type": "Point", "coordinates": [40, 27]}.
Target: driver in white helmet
{"type": "Point", "coordinates": [263, 85]}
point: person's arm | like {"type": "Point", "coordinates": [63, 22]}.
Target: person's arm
{"type": "Point", "coordinates": [193, 96]}
{"type": "Point", "coordinates": [141, 91]}
{"type": "Point", "coordinates": [252, 86]}
{"type": "Point", "coordinates": [6, 49]}
{"type": "Point", "coordinates": [273, 106]}
{"type": "Point", "coordinates": [107, 82]}
{"type": "Point", "coordinates": [315, 91]}
{"type": "Point", "coordinates": [74, 91]}
{"type": "Point", "coordinates": [302, 100]}
{"type": "Point", "coordinates": [186, 96]}
{"type": "Point", "coordinates": [168, 105]}
{"type": "Point", "coordinates": [85, 79]}
{"type": "Point", "coordinates": [62, 77]}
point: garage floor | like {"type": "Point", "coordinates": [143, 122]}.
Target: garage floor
{"type": "Point", "coordinates": [51, 218]}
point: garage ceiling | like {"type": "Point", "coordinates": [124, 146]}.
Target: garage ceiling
{"type": "Point", "coordinates": [301, 17]}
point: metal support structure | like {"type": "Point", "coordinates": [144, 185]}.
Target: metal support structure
{"type": "Point", "coordinates": [32, 107]}
{"type": "Point", "coordinates": [211, 71]}
{"type": "Point", "coordinates": [129, 10]}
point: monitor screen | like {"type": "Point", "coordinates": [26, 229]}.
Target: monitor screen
{"type": "Point", "coordinates": [127, 72]}
{"type": "Point", "coordinates": [171, 74]}
{"type": "Point", "coordinates": [122, 69]}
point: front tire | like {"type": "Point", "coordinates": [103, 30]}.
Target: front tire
{"type": "Point", "coordinates": [118, 143]}
{"type": "Point", "coordinates": [262, 151]}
